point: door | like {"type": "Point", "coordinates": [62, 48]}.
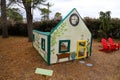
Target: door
{"type": "Point", "coordinates": [81, 51]}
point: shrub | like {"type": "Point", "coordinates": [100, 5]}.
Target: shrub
{"type": "Point", "coordinates": [20, 29]}
{"type": "Point", "coordinates": [45, 26]}
{"type": "Point", "coordinates": [93, 26]}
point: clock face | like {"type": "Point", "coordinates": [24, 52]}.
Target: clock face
{"type": "Point", "coordinates": [74, 19]}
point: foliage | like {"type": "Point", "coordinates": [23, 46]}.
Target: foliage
{"type": "Point", "coordinates": [48, 7]}
{"type": "Point", "coordinates": [115, 32]}
{"type": "Point", "coordinates": [46, 26]}
{"type": "Point", "coordinates": [14, 14]}
{"type": "Point", "coordinates": [28, 5]}
{"type": "Point", "coordinates": [45, 13]}
{"type": "Point", "coordinates": [58, 32]}
{"type": "Point", "coordinates": [105, 25]}
{"type": "Point", "coordinates": [20, 29]}
{"type": "Point", "coordinates": [93, 25]}
{"type": "Point", "coordinates": [58, 16]}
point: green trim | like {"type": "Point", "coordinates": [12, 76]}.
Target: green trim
{"type": "Point", "coordinates": [48, 49]}
{"type": "Point", "coordinates": [61, 21]}
{"type": "Point", "coordinates": [68, 47]}
{"type": "Point", "coordinates": [91, 46]}
{"type": "Point", "coordinates": [43, 44]}
{"type": "Point", "coordinates": [83, 21]}
{"type": "Point", "coordinates": [40, 32]}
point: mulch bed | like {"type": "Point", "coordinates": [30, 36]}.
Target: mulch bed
{"type": "Point", "coordinates": [18, 61]}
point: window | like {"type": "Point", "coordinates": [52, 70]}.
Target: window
{"type": "Point", "coordinates": [43, 44]}
{"type": "Point", "coordinates": [64, 46]}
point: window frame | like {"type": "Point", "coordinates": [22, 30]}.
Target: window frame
{"type": "Point", "coordinates": [33, 37]}
{"type": "Point", "coordinates": [68, 47]}
{"type": "Point", "coordinates": [43, 44]}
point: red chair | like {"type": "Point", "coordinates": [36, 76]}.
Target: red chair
{"type": "Point", "coordinates": [113, 44]}
{"type": "Point", "coordinates": [105, 45]}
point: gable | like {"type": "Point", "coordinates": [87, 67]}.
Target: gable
{"type": "Point", "coordinates": [70, 25]}
{"type": "Point", "coordinates": [67, 33]}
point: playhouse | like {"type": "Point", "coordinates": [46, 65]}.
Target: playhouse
{"type": "Point", "coordinates": [69, 40]}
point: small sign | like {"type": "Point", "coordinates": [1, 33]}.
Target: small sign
{"type": "Point", "coordinates": [45, 72]}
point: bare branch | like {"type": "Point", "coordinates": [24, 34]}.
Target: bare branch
{"type": "Point", "coordinates": [19, 5]}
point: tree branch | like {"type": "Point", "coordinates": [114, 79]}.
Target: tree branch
{"type": "Point", "coordinates": [17, 2]}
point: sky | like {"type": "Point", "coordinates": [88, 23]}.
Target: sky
{"type": "Point", "coordinates": [86, 8]}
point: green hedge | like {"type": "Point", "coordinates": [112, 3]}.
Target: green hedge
{"type": "Point", "coordinates": [20, 29]}
{"type": "Point", "coordinates": [45, 26]}
{"type": "Point", "coordinates": [93, 25]}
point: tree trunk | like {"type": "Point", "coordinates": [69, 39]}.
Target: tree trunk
{"type": "Point", "coordinates": [4, 19]}
{"type": "Point", "coordinates": [29, 17]}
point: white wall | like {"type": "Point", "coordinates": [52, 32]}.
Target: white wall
{"type": "Point", "coordinates": [37, 44]}
{"type": "Point", "coordinates": [66, 31]}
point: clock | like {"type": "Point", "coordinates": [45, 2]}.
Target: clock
{"type": "Point", "coordinates": [74, 19]}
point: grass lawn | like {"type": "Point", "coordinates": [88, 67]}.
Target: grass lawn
{"type": "Point", "coordinates": [18, 61]}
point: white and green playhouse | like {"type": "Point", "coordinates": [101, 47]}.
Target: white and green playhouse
{"type": "Point", "coordinates": [69, 40]}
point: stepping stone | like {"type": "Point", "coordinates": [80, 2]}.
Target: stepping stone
{"type": "Point", "coordinates": [89, 64]}
{"type": "Point", "coordinates": [82, 62]}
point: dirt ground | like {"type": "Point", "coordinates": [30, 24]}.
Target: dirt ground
{"type": "Point", "coordinates": [18, 61]}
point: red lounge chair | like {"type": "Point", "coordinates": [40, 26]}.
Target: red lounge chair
{"type": "Point", "coordinates": [114, 45]}
{"type": "Point", "coordinates": [105, 45]}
